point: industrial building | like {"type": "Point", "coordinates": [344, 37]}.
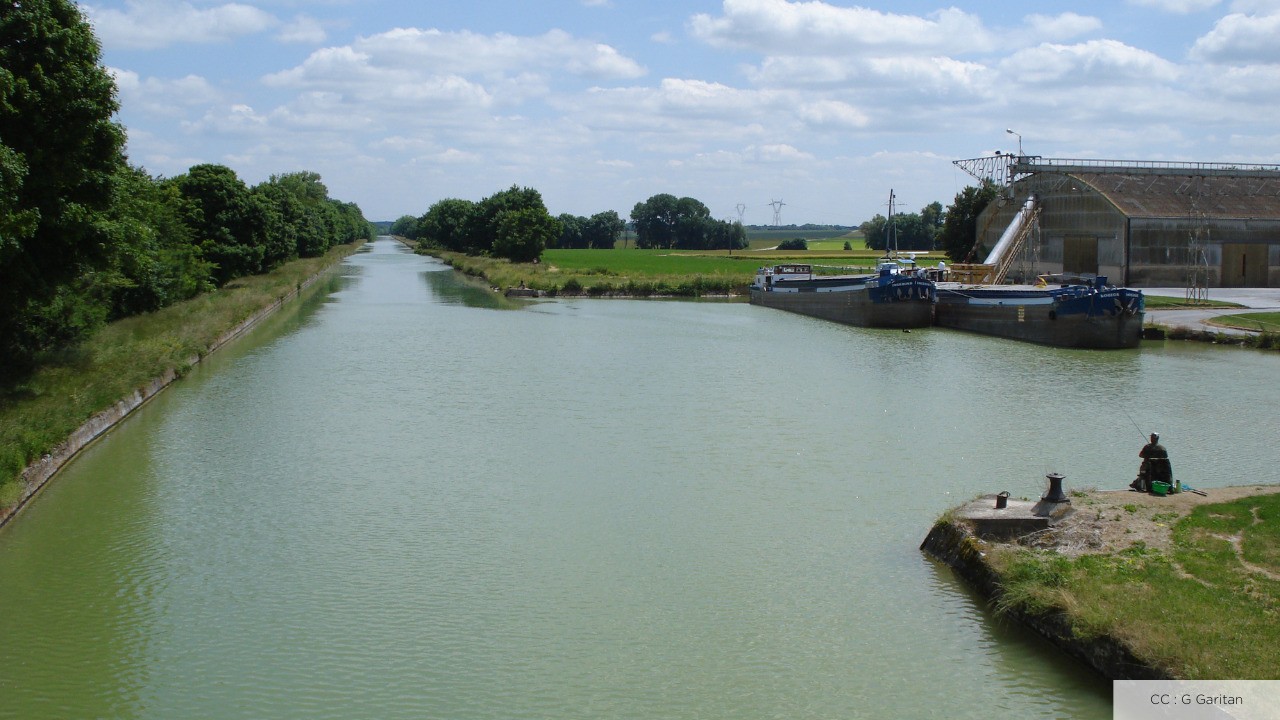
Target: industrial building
{"type": "Point", "coordinates": [1141, 224]}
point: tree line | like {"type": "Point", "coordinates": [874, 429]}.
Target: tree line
{"type": "Point", "coordinates": [84, 236]}
{"type": "Point", "coordinates": [515, 224]}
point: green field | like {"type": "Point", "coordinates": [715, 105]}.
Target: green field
{"type": "Point", "coordinates": [656, 272]}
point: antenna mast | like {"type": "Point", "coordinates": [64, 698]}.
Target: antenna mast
{"type": "Point", "coordinates": [892, 239]}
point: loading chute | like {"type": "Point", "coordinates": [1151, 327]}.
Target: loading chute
{"type": "Point", "coordinates": [995, 268]}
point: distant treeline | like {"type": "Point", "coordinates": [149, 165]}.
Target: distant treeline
{"type": "Point", "coordinates": [85, 237]}
{"type": "Point", "coordinates": [515, 224]}
{"type": "Point", "coordinates": [808, 232]}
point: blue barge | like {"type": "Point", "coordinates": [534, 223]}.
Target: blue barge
{"type": "Point", "coordinates": [1089, 314]}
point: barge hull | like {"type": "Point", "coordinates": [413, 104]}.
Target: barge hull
{"type": "Point", "coordinates": [850, 308]}
{"type": "Point", "coordinates": [1041, 324]}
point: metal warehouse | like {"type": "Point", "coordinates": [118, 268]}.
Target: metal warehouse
{"type": "Point", "coordinates": [1142, 224]}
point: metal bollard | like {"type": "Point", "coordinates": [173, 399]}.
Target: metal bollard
{"type": "Point", "coordinates": [1055, 494]}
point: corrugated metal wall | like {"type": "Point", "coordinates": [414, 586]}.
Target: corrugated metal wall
{"type": "Point", "coordinates": [1068, 209]}
{"type": "Point", "coordinates": [1159, 250]}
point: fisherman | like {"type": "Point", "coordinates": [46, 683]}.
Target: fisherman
{"type": "Point", "coordinates": [1155, 465]}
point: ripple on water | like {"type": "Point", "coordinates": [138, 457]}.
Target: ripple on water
{"type": "Point", "coordinates": [402, 506]}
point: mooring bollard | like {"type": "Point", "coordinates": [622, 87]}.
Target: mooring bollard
{"type": "Point", "coordinates": [1055, 494]}
{"type": "Point", "coordinates": [1002, 500]}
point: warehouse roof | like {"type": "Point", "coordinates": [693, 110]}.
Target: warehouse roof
{"type": "Point", "coordinates": [1218, 195]}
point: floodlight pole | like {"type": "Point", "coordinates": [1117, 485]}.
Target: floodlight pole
{"type": "Point", "coordinates": [1019, 141]}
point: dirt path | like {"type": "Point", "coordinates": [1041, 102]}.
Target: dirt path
{"type": "Point", "coordinates": [1113, 520]}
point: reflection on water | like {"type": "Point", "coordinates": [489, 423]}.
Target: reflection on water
{"type": "Point", "coordinates": [454, 288]}
{"type": "Point", "coordinates": [392, 502]}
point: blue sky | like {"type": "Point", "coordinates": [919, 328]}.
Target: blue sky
{"type": "Point", "coordinates": [600, 104]}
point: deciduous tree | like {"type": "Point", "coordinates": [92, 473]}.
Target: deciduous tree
{"type": "Point", "coordinates": [225, 219]}
{"type": "Point", "coordinates": [524, 233]}
{"type": "Point", "coordinates": [445, 224]}
{"type": "Point", "coordinates": [960, 226]}
{"type": "Point", "coordinates": [602, 230]}
{"type": "Point", "coordinates": [59, 151]}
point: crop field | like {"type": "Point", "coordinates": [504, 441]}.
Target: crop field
{"type": "Point", "coordinates": [649, 262]}
{"type": "Point", "coordinates": [652, 263]}
{"type": "Point", "coordinates": [656, 272]}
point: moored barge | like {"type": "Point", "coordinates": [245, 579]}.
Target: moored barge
{"type": "Point", "coordinates": [1090, 314]}
{"type": "Point", "coordinates": [886, 299]}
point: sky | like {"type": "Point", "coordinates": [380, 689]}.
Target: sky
{"type": "Point", "coordinates": [823, 106]}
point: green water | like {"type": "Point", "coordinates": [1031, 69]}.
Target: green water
{"type": "Point", "coordinates": [408, 498]}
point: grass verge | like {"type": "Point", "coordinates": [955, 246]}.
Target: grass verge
{"type": "Point", "coordinates": [1206, 608]}
{"type": "Point", "coordinates": [42, 410]}
{"type": "Point", "coordinates": [1263, 322]}
{"type": "Point", "coordinates": [1166, 302]}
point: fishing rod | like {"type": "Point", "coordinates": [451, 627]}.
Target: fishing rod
{"type": "Point", "coordinates": [1135, 423]}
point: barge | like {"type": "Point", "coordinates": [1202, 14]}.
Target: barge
{"type": "Point", "coordinates": [888, 298]}
{"type": "Point", "coordinates": [1091, 315]}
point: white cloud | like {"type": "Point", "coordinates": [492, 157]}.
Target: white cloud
{"type": "Point", "coordinates": [777, 153]}
{"type": "Point", "coordinates": [1181, 7]}
{"type": "Point", "coordinates": [817, 28]}
{"type": "Point", "coordinates": [833, 114]}
{"type": "Point", "coordinates": [1062, 27]}
{"type": "Point", "coordinates": [1255, 6]}
{"type": "Point", "coordinates": [468, 53]}
{"type": "Point", "coordinates": [303, 30]}
{"type": "Point", "coordinates": [1088, 66]}
{"type": "Point", "coordinates": [150, 24]}
{"type": "Point", "coordinates": [1254, 87]}
{"type": "Point", "coordinates": [683, 106]}
{"type": "Point", "coordinates": [166, 98]}
{"type": "Point", "coordinates": [454, 156]}
{"type": "Point", "coordinates": [1241, 39]}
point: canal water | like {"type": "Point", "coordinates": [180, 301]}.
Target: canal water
{"type": "Point", "coordinates": [406, 497]}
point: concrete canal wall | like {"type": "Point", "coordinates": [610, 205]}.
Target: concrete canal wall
{"type": "Point", "coordinates": [38, 474]}
{"type": "Point", "coordinates": [953, 543]}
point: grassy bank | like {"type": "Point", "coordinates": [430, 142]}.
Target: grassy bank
{"type": "Point", "coordinates": [41, 411]}
{"type": "Point", "coordinates": [1199, 598]}
{"type": "Point", "coordinates": [1257, 341]}
{"type": "Point", "coordinates": [1264, 322]}
{"type": "Point", "coordinates": [642, 273]}
{"type": "Point", "coordinates": [638, 273]}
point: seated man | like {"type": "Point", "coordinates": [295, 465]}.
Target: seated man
{"type": "Point", "coordinates": [1155, 465]}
